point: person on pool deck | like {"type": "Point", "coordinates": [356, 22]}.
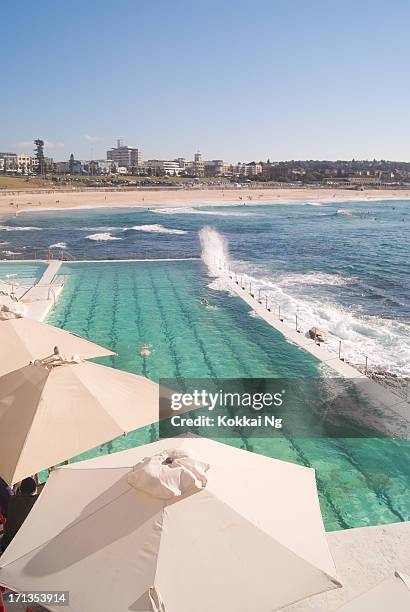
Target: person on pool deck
{"type": "Point", "coordinates": [5, 493]}
{"type": "Point", "coordinates": [18, 509]}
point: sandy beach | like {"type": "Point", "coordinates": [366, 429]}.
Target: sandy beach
{"type": "Point", "coordinates": [56, 200]}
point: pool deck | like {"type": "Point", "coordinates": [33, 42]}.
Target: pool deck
{"type": "Point", "coordinates": [363, 557]}
{"type": "Point", "coordinates": [40, 297]}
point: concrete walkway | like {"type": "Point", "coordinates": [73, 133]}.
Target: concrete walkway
{"type": "Point", "coordinates": [363, 558]}
{"type": "Point", "coordinates": [40, 298]}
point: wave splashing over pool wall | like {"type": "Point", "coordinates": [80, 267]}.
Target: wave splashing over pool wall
{"type": "Point", "coordinates": [215, 253]}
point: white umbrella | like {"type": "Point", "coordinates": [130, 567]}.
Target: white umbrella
{"type": "Point", "coordinates": [180, 525]}
{"type": "Point", "coordinates": [390, 595]}
{"type": "Point", "coordinates": [54, 410]}
{"type": "Point", "coordinates": [23, 340]}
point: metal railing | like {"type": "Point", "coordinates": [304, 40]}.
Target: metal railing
{"type": "Point", "coordinates": [398, 385]}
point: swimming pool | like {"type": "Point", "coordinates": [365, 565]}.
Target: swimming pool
{"type": "Point", "coordinates": [27, 272]}
{"type": "Point", "coordinates": [125, 305]}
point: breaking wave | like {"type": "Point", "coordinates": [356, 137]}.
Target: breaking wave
{"type": "Point", "coordinates": [104, 236]}
{"type": "Point", "coordinates": [155, 229]}
{"type": "Point", "coordinates": [58, 245]}
{"type": "Point", "coordinates": [385, 342]}
{"type": "Point", "coordinates": [11, 228]}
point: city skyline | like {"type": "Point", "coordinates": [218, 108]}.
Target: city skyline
{"type": "Point", "coordinates": [232, 80]}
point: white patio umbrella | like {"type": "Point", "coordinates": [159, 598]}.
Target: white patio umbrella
{"type": "Point", "coordinates": [179, 525]}
{"type": "Point", "coordinates": [390, 595]}
{"type": "Point", "coordinates": [23, 340]}
{"type": "Point", "coordinates": [53, 410]}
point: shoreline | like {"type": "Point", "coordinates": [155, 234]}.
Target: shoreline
{"type": "Point", "coordinates": [16, 202]}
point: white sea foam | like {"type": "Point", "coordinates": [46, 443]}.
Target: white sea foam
{"type": "Point", "coordinates": [316, 278]}
{"type": "Point", "coordinates": [102, 237]}
{"type": "Point", "coordinates": [385, 342]}
{"type": "Point", "coordinates": [253, 314]}
{"type": "Point", "coordinates": [182, 210]}
{"type": "Point", "coordinates": [343, 211]}
{"type": "Point", "coordinates": [11, 252]}
{"type": "Point", "coordinates": [58, 245]}
{"type": "Point", "coordinates": [10, 228]}
{"type": "Point", "coordinates": [100, 228]}
{"type": "Point", "coordinates": [155, 229]}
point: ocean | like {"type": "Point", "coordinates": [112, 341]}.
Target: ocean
{"type": "Point", "coordinates": [340, 267]}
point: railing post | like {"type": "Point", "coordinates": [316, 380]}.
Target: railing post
{"type": "Point", "coordinates": [296, 322]}
{"type": "Point", "coordinates": [365, 367]}
{"type": "Point", "coordinates": [340, 349]}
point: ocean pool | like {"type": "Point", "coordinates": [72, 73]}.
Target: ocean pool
{"type": "Point", "coordinates": [125, 305]}
{"type": "Point", "coordinates": [27, 272]}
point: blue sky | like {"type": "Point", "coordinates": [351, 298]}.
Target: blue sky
{"type": "Point", "coordinates": [237, 79]}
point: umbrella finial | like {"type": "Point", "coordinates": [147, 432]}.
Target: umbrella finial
{"type": "Point", "coordinates": [171, 473]}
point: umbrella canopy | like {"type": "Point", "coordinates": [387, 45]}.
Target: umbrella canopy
{"type": "Point", "coordinates": [392, 594]}
{"type": "Point", "coordinates": [175, 526]}
{"type": "Point", "coordinates": [10, 308]}
{"type": "Point", "coordinates": [50, 413]}
{"type": "Point", "coordinates": [23, 340]}
{"type": "Point", "coordinates": [8, 313]}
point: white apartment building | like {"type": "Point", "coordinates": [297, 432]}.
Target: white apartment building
{"type": "Point", "coordinates": [124, 155]}
{"type": "Point", "coordinates": [172, 168]}
{"type": "Point", "coordinates": [25, 163]}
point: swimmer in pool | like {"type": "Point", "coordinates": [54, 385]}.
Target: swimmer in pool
{"type": "Point", "coordinates": [145, 350]}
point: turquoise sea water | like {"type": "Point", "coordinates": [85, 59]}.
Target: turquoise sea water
{"type": "Point", "coordinates": [125, 305]}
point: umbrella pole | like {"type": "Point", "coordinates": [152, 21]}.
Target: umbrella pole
{"type": "Point", "coordinates": [2, 606]}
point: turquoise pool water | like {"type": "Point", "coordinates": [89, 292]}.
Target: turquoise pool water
{"type": "Point", "coordinates": [125, 305]}
{"type": "Point", "coordinates": [27, 272]}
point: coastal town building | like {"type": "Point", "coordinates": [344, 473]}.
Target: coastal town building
{"type": "Point", "coordinates": [198, 167]}
{"type": "Point", "coordinates": [63, 167]}
{"type": "Point", "coordinates": [162, 166]}
{"type": "Point", "coordinates": [48, 164]}
{"type": "Point", "coordinates": [25, 163]}
{"type": "Point", "coordinates": [246, 170]}
{"type": "Point", "coordinates": [125, 156]}
{"type": "Point", "coordinates": [215, 167]}
{"type": "Point", "coordinates": [8, 162]}
{"type": "Point", "coordinates": [106, 166]}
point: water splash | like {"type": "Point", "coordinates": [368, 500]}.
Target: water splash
{"type": "Point", "coordinates": [215, 253]}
